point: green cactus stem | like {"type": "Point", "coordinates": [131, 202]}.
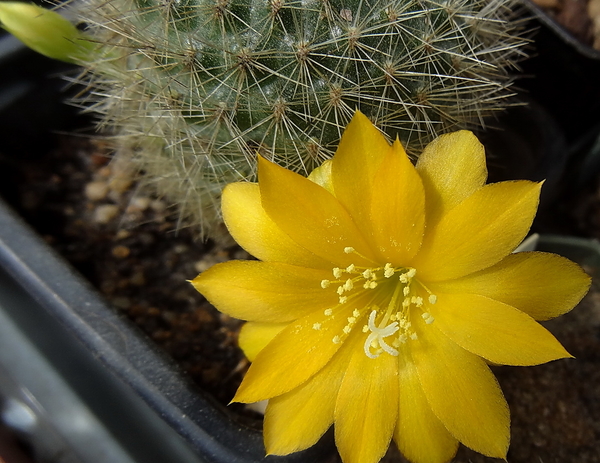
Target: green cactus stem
{"type": "Point", "coordinates": [194, 90]}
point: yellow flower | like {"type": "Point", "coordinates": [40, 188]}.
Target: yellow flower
{"type": "Point", "coordinates": [383, 291]}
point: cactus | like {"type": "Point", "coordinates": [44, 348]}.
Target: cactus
{"type": "Point", "coordinates": [195, 89]}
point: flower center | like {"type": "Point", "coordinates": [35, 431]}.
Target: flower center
{"type": "Point", "coordinates": [387, 294]}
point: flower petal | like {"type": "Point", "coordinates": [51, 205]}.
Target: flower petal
{"type": "Point", "coordinates": [254, 230]}
{"type": "Point", "coordinates": [452, 168]}
{"type": "Point", "coordinates": [264, 291]}
{"type": "Point", "coordinates": [254, 337]}
{"type": "Point", "coordinates": [420, 436]}
{"type": "Point", "coordinates": [462, 391]}
{"type": "Point", "coordinates": [296, 354]}
{"type": "Point", "coordinates": [397, 208]}
{"type": "Point", "coordinates": [297, 419]}
{"type": "Point", "coordinates": [322, 176]}
{"type": "Point", "coordinates": [479, 232]}
{"type": "Point", "coordinates": [542, 285]}
{"type": "Point", "coordinates": [366, 407]}
{"type": "Point", "coordinates": [495, 331]}
{"type": "Point", "coordinates": [310, 215]}
{"type": "Point", "coordinates": [361, 151]}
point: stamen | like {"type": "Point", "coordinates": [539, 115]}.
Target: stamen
{"type": "Point", "coordinates": [388, 270]}
{"type": "Point", "coordinates": [427, 317]}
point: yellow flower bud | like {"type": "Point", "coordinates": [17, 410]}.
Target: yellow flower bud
{"type": "Point", "coordinates": [44, 31]}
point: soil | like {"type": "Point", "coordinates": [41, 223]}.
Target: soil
{"type": "Point", "coordinates": [580, 17]}
{"type": "Point", "coordinates": [128, 246]}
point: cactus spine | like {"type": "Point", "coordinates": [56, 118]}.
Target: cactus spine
{"type": "Point", "coordinates": [195, 89]}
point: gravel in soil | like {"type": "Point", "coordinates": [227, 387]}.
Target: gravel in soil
{"type": "Point", "coordinates": [124, 242]}
{"type": "Point", "coordinates": [127, 245]}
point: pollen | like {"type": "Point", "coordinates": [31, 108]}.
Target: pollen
{"type": "Point", "coordinates": [388, 270]}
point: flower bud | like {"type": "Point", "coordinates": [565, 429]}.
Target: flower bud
{"type": "Point", "coordinates": [44, 31]}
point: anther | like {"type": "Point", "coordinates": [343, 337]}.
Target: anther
{"type": "Point", "coordinates": [343, 299]}
{"type": "Point", "coordinates": [325, 284]}
{"type": "Point", "coordinates": [432, 298]}
{"type": "Point", "coordinates": [348, 249]}
{"type": "Point", "coordinates": [388, 270]}
{"type": "Point", "coordinates": [316, 326]}
{"type": "Point", "coordinates": [336, 340]}
{"type": "Point", "coordinates": [348, 285]}
{"type": "Point", "coordinates": [337, 272]}
{"type": "Point", "coordinates": [328, 312]}
{"type": "Point", "coordinates": [350, 268]}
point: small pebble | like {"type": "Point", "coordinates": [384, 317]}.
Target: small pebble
{"type": "Point", "coordinates": [96, 191]}
{"type": "Point", "coordinates": [138, 204]}
{"type": "Point", "coordinates": [121, 252]}
{"type": "Point", "coordinates": [105, 213]}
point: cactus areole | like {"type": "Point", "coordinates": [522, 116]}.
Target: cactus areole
{"type": "Point", "coordinates": [195, 89]}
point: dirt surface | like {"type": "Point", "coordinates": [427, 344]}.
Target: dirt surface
{"type": "Point", "coordinates": [125, 244]}
{"type": "Point", "coordinates": [580, 17]}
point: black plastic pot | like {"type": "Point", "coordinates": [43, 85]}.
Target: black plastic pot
{"type": "Point", "coordinates": [79, 381]}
